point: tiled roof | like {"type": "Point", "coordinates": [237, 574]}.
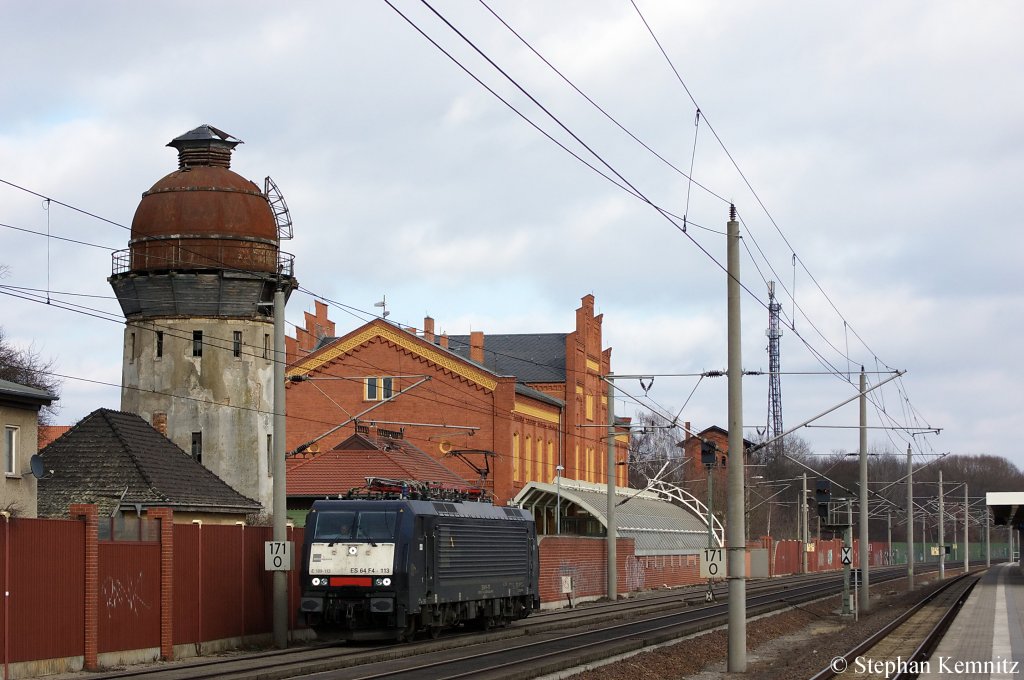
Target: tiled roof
{"type": "Point", "coordinates": [530, 357]}
{"type": "Point", "coordinates": [111, 453]}
{"type": "Point", "coordinates": [49, 433]}
{"type": "Point", "coordinates": [360, 456]}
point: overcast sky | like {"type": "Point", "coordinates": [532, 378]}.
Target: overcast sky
{"type": "Point", "coordinates": [883, 142]}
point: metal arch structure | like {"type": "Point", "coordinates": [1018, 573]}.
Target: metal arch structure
{"type": "Point", "coordinates": [282, 215]}
{"type": "Point", "coordinates": [674, 493]}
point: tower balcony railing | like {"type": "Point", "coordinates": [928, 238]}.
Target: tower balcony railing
{"type": "Point", "coordinates": [192, 254]}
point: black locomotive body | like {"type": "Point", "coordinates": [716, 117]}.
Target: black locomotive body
{"type": "Point", "coordinates": [385, 569]}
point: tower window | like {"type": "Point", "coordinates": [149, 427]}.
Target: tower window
{"type": "Point", "coordinates": [131, 356]}
{"type": "Point", "coordinates": [197, 343]}
{"type": "Point", "coordinates": [270, 455]}
{"type": "Point", "coordinates": [159, 344]}
{"type": "Point", "coordinates": [197, 446]}
{"type": "Point", "coordinates": [236, 347]}
{"type": "Point", "coordinates": [266, 345]}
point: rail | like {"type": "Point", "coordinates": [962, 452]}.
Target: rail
{"type": "Point", "coordinates": [925, 648]}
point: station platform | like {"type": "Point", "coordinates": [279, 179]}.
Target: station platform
{"type": "Point", "coordinates": [986, 640]}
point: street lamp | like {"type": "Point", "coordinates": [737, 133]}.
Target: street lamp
{"type": "Point", "coordinates": [558, 499]}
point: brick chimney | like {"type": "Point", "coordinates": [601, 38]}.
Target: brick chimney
{"type": "Point", "coordinates": [160, 422]}
{"type": "Point", "coordinates": [476, 346]}
{"type": "Point", "coordinates": [428, 329]}
{"type": "Point", "coordinates": [444, 340]}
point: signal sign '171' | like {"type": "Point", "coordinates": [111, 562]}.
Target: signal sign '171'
{"type": "Point", "coordinates": [712, 563]}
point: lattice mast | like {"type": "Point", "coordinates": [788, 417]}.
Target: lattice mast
{"type": "Point", "coordinates": [774, 332]}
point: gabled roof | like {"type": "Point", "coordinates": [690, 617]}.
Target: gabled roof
{"type": "Point", "coordinates": [447, 360]}
{"type": "Point", "coordinates": [360, 456]}
{"type": "Point", "coordinates": [111, 454]}
{"type": "Point", "coordinates": [530, 357]}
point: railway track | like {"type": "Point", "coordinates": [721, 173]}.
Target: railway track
{"type": "Point", "coordinates": [552, 639]}
{"type": "Point", "coordinates": [911, 637]}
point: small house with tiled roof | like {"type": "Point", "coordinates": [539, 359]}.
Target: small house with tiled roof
{"type": "Point", "coordinates": [370, 452]}
{"type": "Point", "coordinates": [518, 405]}
{"type": "Point", "coordinates": [122, 464]}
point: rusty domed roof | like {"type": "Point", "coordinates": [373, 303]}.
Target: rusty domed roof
{"type": "Point", "coordinates": [204, 215]}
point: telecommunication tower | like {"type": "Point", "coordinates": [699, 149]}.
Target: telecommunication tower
{"type": "Point", "coordinates": [774, 332]}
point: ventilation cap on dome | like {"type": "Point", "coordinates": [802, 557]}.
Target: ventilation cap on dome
{"type": "Point", "coordinates": [205, 145]}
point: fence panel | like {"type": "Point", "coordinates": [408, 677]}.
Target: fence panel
{"type": "Point", "coordinates": [46, 563]}
{"type": "Point", "coordinates": [223, 595]}
{"type": "Point", "coordinates": [187, 623]}
{"type": "Point", "coordinates": [129, 596]}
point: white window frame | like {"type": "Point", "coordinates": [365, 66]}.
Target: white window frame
{"type": "Point", "coordinates": [11, 433]}
{"type": "Point", "coordinates": [378, 389]}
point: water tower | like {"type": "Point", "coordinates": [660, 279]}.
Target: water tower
{"type": "Point", "coordinates": [196, 286]}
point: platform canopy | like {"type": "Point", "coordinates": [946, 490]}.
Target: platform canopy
{"type": "Point", "coordinates": [666, 520]}
{"type": "Point", "coordinates": [1007, 507]}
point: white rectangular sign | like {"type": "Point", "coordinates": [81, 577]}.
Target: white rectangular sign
{"type": "Point", "coordinates": [352, 559]}
{"type": "Point", "coordinates": [847, 555]}
{"type": "Point", "coordinates": [277, 555]}
{"type": "Point", "coordinates": [712, 563]}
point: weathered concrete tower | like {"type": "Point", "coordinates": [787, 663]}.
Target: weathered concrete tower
{"type": "Point", "coordinates": [196, 286]}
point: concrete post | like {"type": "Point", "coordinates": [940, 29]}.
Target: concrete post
{"type": "Point", "coordinates": [910, 520]}
{"type": "Point", "coordinates": [988, 541]}
{"type": "Point", "coordinates": [864, 601]}
{"type": "Point", "coordinates": [847, 543]}
{"type": "Point", "coordinates": [613, 591]}
{"type": "Point", "coordinates": [280, 588]}
{"type": "Point", "coordinates": [967, 535]}
{"type": "Point", "coordinates": [942, 531]}
{"type": "Point", "coordinates": [803, 526]}
{"type": "Point", "coordinates": [735, 544]}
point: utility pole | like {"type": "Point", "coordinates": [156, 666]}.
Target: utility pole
{"type": "Point", "coordinates": [803, 534]}
{"type": "Point", "coordinates": [613, 586]}
{"type": "Point", "coordinates": [988, 540]}
{"type": "Point", "coordinates": [774, 333]}
{"type": "Point", "coordinates": [848, 544]}
{"type": "Point", "coordinates": [888, 536]}
{"type": "Point", "coordinates": [280, 585]}
{"type": "Point", "coordinates": [942, 531]}
{"type": "Point", "coordinates": [736, 546]}
{"type": "Point", "coordinates": [967, 536]}
{"type": "Point", "coordinates": [864, 603]}
{"type": "Point", "coordinates": [910, 520]}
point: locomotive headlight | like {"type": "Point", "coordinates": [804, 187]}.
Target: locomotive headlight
{"type": "Point", "coordinates": [352, 550]}
{"type": "Point", "coordinates": [316, 581]}
{"type": "Point", "coordinates": [386, 582]}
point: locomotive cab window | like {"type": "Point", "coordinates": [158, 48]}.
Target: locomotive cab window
{"type": "Point", "coordinates": [356, 526]}
{"type": "Point", "coordinates": [334, 526]}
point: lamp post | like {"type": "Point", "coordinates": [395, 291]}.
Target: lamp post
{"type": "Point", "coordinates": [558, 499]}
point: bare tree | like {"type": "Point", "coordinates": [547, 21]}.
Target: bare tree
{"type": "Point", "coordinates": [655, 444]}
{"type": "Point", "coordinates": [26, 366]}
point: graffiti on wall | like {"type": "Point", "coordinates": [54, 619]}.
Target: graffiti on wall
{"type": "Point", "coordinates": [127, 593]}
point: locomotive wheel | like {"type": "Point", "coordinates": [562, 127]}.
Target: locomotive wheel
{"type": "Point", "coordinates": [434, 632]}
{"type": "Point", "coordinates": [407, 633]}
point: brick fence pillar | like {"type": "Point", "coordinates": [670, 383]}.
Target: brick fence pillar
{"type": "Point", "coordinates": [166, 517]}
{"type": "Point", "coordinates": [90, 513]}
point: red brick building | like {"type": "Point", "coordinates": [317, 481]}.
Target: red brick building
{"type": "Point", "coordinates": [513, 406]}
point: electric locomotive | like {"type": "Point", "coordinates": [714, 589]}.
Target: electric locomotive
{"type": "Point", "coordinates": [406, 561]}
